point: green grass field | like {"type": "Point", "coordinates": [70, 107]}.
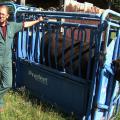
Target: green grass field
{"type": "Point", "coordinates": [20, 106]}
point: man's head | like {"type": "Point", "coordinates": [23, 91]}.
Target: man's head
{"type": "Point", "coordinates": [3, 14]}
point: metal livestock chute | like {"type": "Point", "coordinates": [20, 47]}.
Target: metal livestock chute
{"type": "Point", "coordinates": [69, 64]}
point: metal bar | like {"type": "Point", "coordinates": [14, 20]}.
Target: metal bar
{"type": "Point", "coordinates": [107, 12]}
{"type": "Point", "coordinates": [116, 48]}
{"type": "Point", "coordinates": [56, 46]}
{"type": "Point", "coordinates": [49, 44]}
{"type": "Point", "coordinates": [27, 45]}
{"type": "Point", "coordinates": [90, 54]}
{"type": "Point", "coordinates": [43, 44]}
{"type": "Point", "coordinates": [75, 14]}
{"type": "Point", "coordinates": [63, 49]}
{"type": "Point", "coordinates": [93, 83]}
{"type": "Point", "coordinates": [81, 39]}
{"type": "Point", "coordinates": [69, 24]}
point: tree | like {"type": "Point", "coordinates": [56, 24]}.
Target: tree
{"type": "Point", "coordinates": [4, 0]}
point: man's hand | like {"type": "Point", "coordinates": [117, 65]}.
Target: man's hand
{"type": "Point", "coordinates": [40, 19]}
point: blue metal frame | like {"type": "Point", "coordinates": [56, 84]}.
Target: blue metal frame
{"type": "Point", "coordinates": [95, 98]}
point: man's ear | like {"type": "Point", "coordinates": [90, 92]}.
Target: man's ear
{"type": "Point", "coordinates": [8, 16]}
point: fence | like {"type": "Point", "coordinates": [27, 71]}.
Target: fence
{"type": "Point", "coordinates": [58, 62]}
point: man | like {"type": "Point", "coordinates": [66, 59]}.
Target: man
{"type": "Point", "coordinates": [7, 31]}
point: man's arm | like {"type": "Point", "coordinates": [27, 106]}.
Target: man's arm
{"type": "Point", "coordinates": [31, 23]}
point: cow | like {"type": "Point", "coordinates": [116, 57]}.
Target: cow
{"type": "Point", "coordinates": [116, 64]}
{"type": "Point", "coordinates": [50, 58]}
{"type": "Point", "coordinates": [62, 61]}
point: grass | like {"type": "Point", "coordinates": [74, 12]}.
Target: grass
{"type": "Point", "coordinates": [20, 106]}
{"type": "Point", "coordinates": [118, 116]}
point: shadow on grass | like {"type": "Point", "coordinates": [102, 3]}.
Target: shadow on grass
{"type": "Point", "coordinates": [45, 106]}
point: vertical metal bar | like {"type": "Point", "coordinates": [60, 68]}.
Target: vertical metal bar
{"type": "Point", "coordinates": [109, 98]}
{"type": "Point", "coordinates": [49, 44]}
{"type": "Point", "coordinates": [56, 46]}
{"type": "Point", "coordinates": [39, 44]}
{"type": "Point", "coordinates": [72, 49]}
{"type": "Point", "coordinates": [92, 38]}
{"type": "Point", "coordinates": [36, 45]}
{"type": "Point", "coordinates": [63, 49]}
{"type": "Point", "coordinates": [93, 82]}
{"type": "Point", "coordinates": [81, 34]}
{"type": "Point", "coordinates": [43, 44]}
{"type": "Point", "coordinates": [19, 51]}
{"type": "Point", "coordinates": [22, 43]}
{"type": "Point", "coordinates": [116, 48]}
{"type": "Point", "coordinates": [27, 44]}
{"type": "Point", "coordinates": [33, 43]}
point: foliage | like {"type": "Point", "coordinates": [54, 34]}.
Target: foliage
{"type": "Point", "coordinates": [4, 0]}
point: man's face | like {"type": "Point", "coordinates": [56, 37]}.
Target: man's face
{"type": "Point", "coordinates": [3, 14]}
